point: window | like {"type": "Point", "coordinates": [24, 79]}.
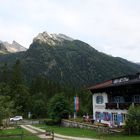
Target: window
{"type": "Point", "coordinates": [115, 118]}
{"type": "Point", "coordinates": [136, 99]}
{"type": "Point", "coordinates": [106, 116]}
{"type": "Point", "coordinates": [119, 99]}
{"type": "Point", "coordinates": [99, 99]}
{"type": "Point", "coordinates": [97, 115]}
{"type": "Point", "coordinates": [124, 117]}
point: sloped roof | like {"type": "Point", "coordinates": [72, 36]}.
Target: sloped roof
{"type": "Point", "coordinates": [116, 82]}
{"type": "Point", "coordinates": [101, 85]}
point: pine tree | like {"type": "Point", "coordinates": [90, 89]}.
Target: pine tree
{"type": "Point", "coordinates": [19, 91]}
{"type": "Point", "coordinates": [5, 73]}
{"type": "Point", "coordinates": [16, 75]}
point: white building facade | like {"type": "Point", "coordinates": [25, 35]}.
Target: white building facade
{"type": "Point", "coordinates": [112, 99]}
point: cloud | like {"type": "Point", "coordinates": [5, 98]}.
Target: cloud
{"type": "Point", "coordinates": [111, 26]}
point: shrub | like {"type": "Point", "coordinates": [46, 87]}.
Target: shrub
{"type": "Point", "coordinates": [133, 120]}
{"type": "Point", "coordinates": [58, 108]}
{"type": "Point", "coordinates": [50, 122]}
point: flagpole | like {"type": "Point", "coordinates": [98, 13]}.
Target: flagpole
{"type": "Point", "coordinates": [74, 108]}
{"type": "Point", "coordinates": [75, 115]}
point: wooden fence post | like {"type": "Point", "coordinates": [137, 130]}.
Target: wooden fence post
{"type": "Point", "coordinates": [22, 135]}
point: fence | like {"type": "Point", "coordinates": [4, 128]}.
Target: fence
{"type": "Point", "coordinates": [49, 135]}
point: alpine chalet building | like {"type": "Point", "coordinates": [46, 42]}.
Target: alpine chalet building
{"type": "Point", "coordinates": [111, 99]}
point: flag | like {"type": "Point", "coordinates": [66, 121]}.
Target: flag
{"type": "Point", "coordinates": [76, 104]}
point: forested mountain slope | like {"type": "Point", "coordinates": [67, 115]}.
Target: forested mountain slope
{"type": "Point", "coordinates": [68, 62]}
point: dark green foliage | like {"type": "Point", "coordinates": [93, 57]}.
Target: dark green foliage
{"type": "Point", "coordinates": [38, 108]}
{"type": "Point", "coordinates": [133, 120]}
{"type": "Point", "coordinates": [58, 107]}
{"type": "Point", "coordinates": [6, 104]}
{"type": "Point", "coordinates": [85, 99]}
{"type": "Point", "coordinates": [49, 122]}
{"type": "Point", "coordinates": [6, 107]}
{"type": "Point", "coordinates": [16, 75]}
{"type": "Point", "coordinates": [41, 91]}
{"type": "Point", "coordinates": [5, 73]}
{"type": "Point", "coordinates": [5, 89]}
{"type": "Point", "coordinates": [19, 92]}
{"type": "Point", "coordinates": [42, 88]}
{"type": "Point", "coordinates": [21, 98]}
{"type": "Point", "coordinates": [71, 63]}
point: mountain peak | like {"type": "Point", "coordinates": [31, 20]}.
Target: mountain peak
{"type": "Point", "coordinates": [11, 48]}
{"type": "Point", "coordinates": [18, 47]}
{"type": "Point", "coordinates": [52, 39]}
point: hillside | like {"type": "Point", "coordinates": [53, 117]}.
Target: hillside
{"type": "Point", "coordinates": [69, 62]}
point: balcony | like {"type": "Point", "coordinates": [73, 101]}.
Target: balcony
{"type": "Point", "coordinates": [120, 105]}
{"type": "Point", "coordinates": [125, 105]}
{"type": "Point", "coordinates": [111, 106]}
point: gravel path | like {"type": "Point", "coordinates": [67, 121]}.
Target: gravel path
{"type": "Point", "coordinates": [35, 130]}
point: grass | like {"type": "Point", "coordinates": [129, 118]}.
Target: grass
{"type": "Point", "coordinates": [17, 131]}
{"type": "Point", "coordinates": [77, 132]}
{"type": "Point", "coordinates": [119, 137]}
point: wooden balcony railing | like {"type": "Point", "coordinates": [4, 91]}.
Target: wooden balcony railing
{"type": "Point", "coordinates": [124, 105]}
{"type": "Point", "coordinates": [120, 105]}
{"type": "Point", "coordinates": [111, 106]}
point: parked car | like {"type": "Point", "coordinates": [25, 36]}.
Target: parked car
{"type": "Point", "coordinates": [16, 118]}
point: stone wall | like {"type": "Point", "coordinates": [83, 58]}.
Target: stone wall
{"type": "Point", "coordinates": [100, 129]}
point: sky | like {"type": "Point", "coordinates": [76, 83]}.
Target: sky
{"type": "Point", "coordinates": [110, 26]}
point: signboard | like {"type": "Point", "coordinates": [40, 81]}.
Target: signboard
{"type": "Point", "coordinates": [29, 115]}
{"type": "Point", "coordinates": [100, 106]}
{"type": "Point", "coordinates": [120, 80]}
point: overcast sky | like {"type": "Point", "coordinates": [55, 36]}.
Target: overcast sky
{"type": "Point", "coordinates": [110, 26]}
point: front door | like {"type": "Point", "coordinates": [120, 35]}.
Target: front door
{"type": "Point", "coordinates": [114, 118]}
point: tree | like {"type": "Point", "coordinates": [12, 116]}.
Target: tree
{"type": "Point", "coordinates": [38, 108]}
{"type": "Point", "coordinates": [16, 75]}
{"type": "Point", "coordinates": [4, 89]}
{"type": "Point", "coordinates": [58, 107]}
{"type": "Point", "coordinates": [133, 120]}
{"type": "Point", "coordinates": [6, 108]}
{"type": "Point", "coordinates": [19, 91]}
{"type": "Point", "coordinates": [5, 74]}
{"type": "Point", "coordinates": [21, 98]}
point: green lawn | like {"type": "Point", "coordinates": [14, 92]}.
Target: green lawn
{"type": "Point", "coordinates": [17, 131]}
{"type": "Point", "coordinates": [77, 132]}
{"type": "Point", "coordinates": [119, 137]}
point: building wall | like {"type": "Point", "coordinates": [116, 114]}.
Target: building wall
{"type": "Point", "coordinates": [101, 109]}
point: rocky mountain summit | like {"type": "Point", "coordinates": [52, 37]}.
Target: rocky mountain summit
{"type": "Point", "coordinates": [52, 39]}
{"type": "Point", "coordinates": [6, 47]}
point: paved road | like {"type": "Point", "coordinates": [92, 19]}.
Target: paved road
{"type": "Point", "coordinates": [35, 130]}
